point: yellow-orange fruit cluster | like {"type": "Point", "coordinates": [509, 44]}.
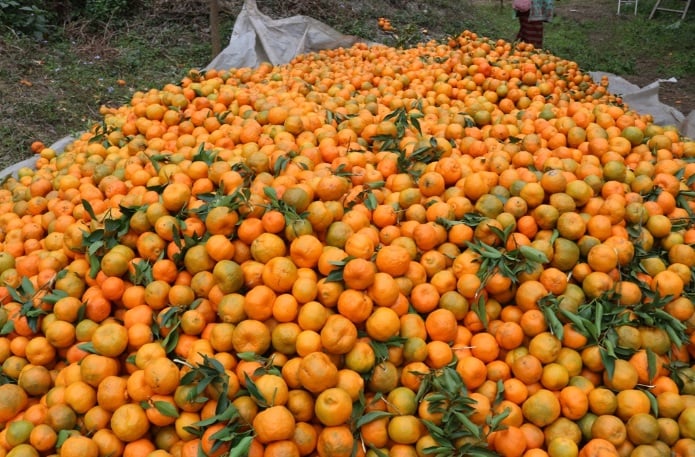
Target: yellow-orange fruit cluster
{"type": "Point", "coordinates": [461, 248]}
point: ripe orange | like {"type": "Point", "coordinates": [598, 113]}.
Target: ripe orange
{"type": "Point", "coordinates": [333, 406]}
{"type": "Point", "coordinates": [274, 424]}
{"type": "Point", "coordinates": [129, 422]}
{"type": "Point", "coordinates": [317, 372]}
{"type": "Point", "coordinates": [541, 408]}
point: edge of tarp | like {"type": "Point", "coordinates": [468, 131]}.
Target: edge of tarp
{"type": "Point", "coordinates": [13, 170]}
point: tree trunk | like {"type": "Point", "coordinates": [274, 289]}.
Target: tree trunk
{"type": "Point", "coordinates": [215, 27]}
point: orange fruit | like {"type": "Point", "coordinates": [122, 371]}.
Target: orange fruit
{"type": "Point", "coordinates": [13, 400]}
{"type": "Point", "coordinates": [162, 375]}
{"type": "Point", "coordinates": [335, 441]}
{"type": "Point", "coordinates": [333, 406]}
{"type": "Point", "coordinates": [317, 372]}
{"type": "Point", "coordinates": [273, 424]}
{"type": "Point", "coordinates": [129, 422]}
{"type": "Point", "coordinates": [79, 445]}
{"type": "Point", "coordinates": [541, 408]}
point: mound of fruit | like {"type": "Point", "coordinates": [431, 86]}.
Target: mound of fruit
{"type": "Point", "coordinates": [463, 248]}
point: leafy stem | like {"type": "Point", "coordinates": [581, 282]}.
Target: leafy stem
{"type": "Point", "coordinates": [33, 301]}
{"type": "Point", "coordinates": [289, 211]}
{"type": "Point", "coordinates": [366, 196]}
{"type": "Point", "coordinates": [98, 242]}
{"type": "Point", "coordinates": [236, 433]}
{"type": "Point", "coordinates": [448, 396]}
{"type": "Point", "coordinates": [167, 327]}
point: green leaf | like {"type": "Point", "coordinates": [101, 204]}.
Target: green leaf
{"type": "Point", "coordinates": [500, 392]}
{"type": "Point", "coordinates": [88, 347]}
{"type": "Point", "coordinates": [378, 452]}
{"type": "Point", "coordinates": [371, 202]}
{"type": "Point", "coordinates": [166, 408]}
{"type": "Point", "coordinates": [270, 193]}
{"type": "Point", "coordinates": [242, 447]}
{"type": "Point", "coordinates": [381, 351]}
{"type": "Point", "coordinates": [94, 266]}
{"type": "Point", "coordinates": [207, 156]}
{"type": "Point", "coordinates": [598, 317]}
{"type": "Point", "coordinates": [501, 234]}
{"type": "Point", "coordinates": [194, 430]}
{"type": "Point", "coordinates": [215, 364]}
{"type": "Point", "coordinates": [435, 430]}
{"type": "Point", "coordinates": [280, 165]}
{"type": "Point", "coordinates": [247, 356]}
{"type": "Point", "coordinates": [14, 293]}
{"type": "Point", "coordinates": [479, 451]}
{"type": "Point", "coordinates": [652, 402]}
{"type": "Point", "coordinates": [481, 311]}
{"type": "Point", "coordinates": [609, 347]}
{"type": "Point", "coordinates": [592, 331]}
{"type": "Point", "coordinates": [171, 340]}
{"type": "Point", "coordinates": [7, 328]}
{"type": "Point", "coordinates": [452, 381]}
{"type": "Point", "coordinates": [254, 392]}
{"type": "Point", "coordinates": [89, 209]}
{"type": "Point", "coordinates": [674, 336]}
{"type": "Point", "coordinates": [27, 286]}
{"type": "Point", "coordinates": [651, 364]}
{"type": "Point", "coordinates": [554, 323]}
{"type": "Point", "coordinates": [466, 422]}
{"type": "Point", "coordinates": [62, 436]}
{"type": "Point", "coordinates": [188, 378]}
{"type": "Point", "coordinates": [371, 416]}
{"type": "Point", "coordinates": [335, 275]}
{"type": "Point", "coordinates": [532, 254]}
{"type": "Point", "coordinates": [440, 451]}
{"type": "Point", "coordinates": [54, 296]}
{"type": "Point", "coordinates": [227, 413]}
{"type": "Point", "coordinates": [95, 247]}
{"type": "Point", "coordinates": [608, 363]}
{"type": "Point", "coordinates": [495, 420]}
{"type": "Point", "coordinates": [203, 384]}
{"type": "Point", "coordinates": [576, 320]}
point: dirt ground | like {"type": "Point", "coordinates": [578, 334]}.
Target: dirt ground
{"type": "Point", "coordinates": [680, 94]}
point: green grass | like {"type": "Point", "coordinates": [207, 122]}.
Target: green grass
{"type": "Point", "coordinates": [55, 87]}
{"type": "Point", "coordinates": [628, 43]}
{"type": "Point", "coordinates": [64, 81]}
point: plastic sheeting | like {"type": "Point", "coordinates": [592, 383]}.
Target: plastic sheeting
{"type": "Point", "coordinates": [257, 38]}
{"type": "Point", "coordinates": [12, 170]}
{"type": "Point", "coordinates": [646, 100]}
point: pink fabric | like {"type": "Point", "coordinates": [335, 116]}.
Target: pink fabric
{"type": "Point", "coordinates": [522, 5]}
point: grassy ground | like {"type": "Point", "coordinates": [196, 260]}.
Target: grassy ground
{"type": "Point", "coordinates": [53, 88]}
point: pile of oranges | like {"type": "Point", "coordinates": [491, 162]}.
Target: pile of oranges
{"type": "Point", "coordinates": [463, 248]}
{"type": "Point", "coordinates": [385, 24]}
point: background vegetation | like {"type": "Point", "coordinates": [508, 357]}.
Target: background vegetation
{"type": "Point", "coordinates": [61, 61]}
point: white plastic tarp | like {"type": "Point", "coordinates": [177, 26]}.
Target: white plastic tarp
{"type": "Point", "coordinates": [12, 170]}
{"type": "Point", "coordinates": [646, 100]}
{"type": "Point", "coordinates": [257, 38]}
